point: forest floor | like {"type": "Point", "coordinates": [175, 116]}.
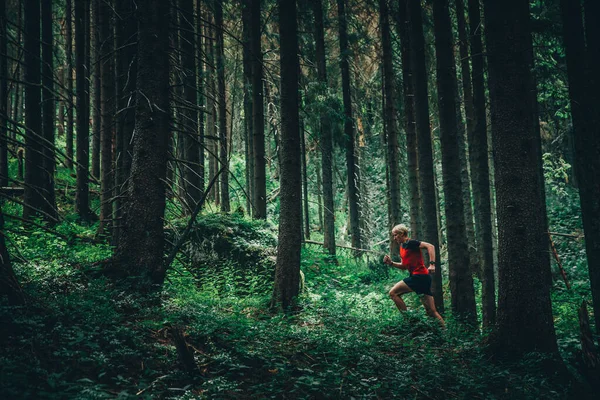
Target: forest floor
{"type": "Point", "coordinates": [82, 337]}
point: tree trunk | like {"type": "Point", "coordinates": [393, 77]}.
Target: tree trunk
{"type": "Point", "coordinates": [48, 111]}
{"type": "Point", "coordinates": [287, 270]}
{"type": "Point", "coordinates": [517, 161]}
{"type": "Point", "coordinates": [82, 30]}
{"type": "Point", "coordinates": [303, 161]}
{"type": "Point", "coordinates": [188, 123]}
{"type": "Point", "coordinates": [461, 280]}
{"type": "Point", "coordinates": [326, 135]}
{"type": "Point", "coordinates": [69, 81]}
{"type": "Point", "coordinates": [211, 105]}
{"type": "Point", "coordinates": [126, 73]}
{"type": "Point", "coordinates": [201, 92]}
{"type": "Point", "coordinates": [258, 115]}
{"type": "Point", "coordinates": [34, 148]}
{"type": "Point", "coordinates": [426, 175]}
{"type": "Point", "coordinates": [141, 246]}
{"type": "Point", "coordinates": [583, 83]}
{"type": "Point", "coordinates": [480, 172]}
{"type": "Point", "coordinates": [9, 285]}
{"type": "Point", "coordinates": [403, 27]}
{"type": "Point", "coordinates": [592, 220]}
{"type": "Point", "coordinates": [391, 126]}
{"type": "Point", "coordinates": [107, 72]}
{"type": "Point", "coordinates": [349, 132]}
{"type": "Point", "coordinates": [223, 135]}
{"type": "Point", "coordinates": [467, 87]}
{"type": "Point", "coordinates": [3, 95]}
{"type": "Point", "coordinates": [248, 136]}
{"type": "Point", "coordinates": [97, 49]}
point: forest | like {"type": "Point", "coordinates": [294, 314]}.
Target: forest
{"type": "Point", "coordinates": [215, 199]}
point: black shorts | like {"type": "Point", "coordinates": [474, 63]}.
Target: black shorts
{"type": "Point", "coordinates": [420, 284]}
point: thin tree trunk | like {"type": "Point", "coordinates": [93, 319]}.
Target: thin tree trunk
{"type": "Point", "coordinates": [426, 174]}
{"type": "Point", "coordinates": [34, 155]}
{"type": "Point", "coordinates": [287, 270]}
{"type": "Point", "coordinates": [222, 101]}
{"type": "Point", "coordinates": [98, 44]}
{"type": "Point", "coordinates": [107, 112]}
{"type": "Point", "coordinates": [461, 280]}
{"type": "Point", "coordinates": [69, 81]}
{"type": "Point", "coordinates": [258, 115]}
{"type": "Point", "coordinates": [82, 19]}
{"type": "Point", "coordinates": [3, 95]}
{"type": "Point", "coordinates": [391, 128]}
{"type": "Point", "coordinates": [189, 119]}
{"type": "Point", "coordinates": [326, 135]}
{"type": "Point", "coordinates": [403, 27]}
{"type": "Point", "coordinates": [303, 161]}
{"type": "Point", "coordinates": [516, 159]}
{"type": "Point", "coordinates": [201, 92]}
{"type": "Point", "coordinates": [470, 125]}
{"type": "Point", "coordinates": [141, 246]}
{"type": "Point", "coordinates": [211, 120]}
{"type": "Point", "coordinates": [48, 111]}
{"type": "Point", "coordinates": [248, 128]}
{"type": "Point", "coordinates": [349, 131]}
{"type": "Point", "coordinates": [480, 172]}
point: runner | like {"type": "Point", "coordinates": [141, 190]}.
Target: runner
{"type": "Point", "coordinates": [419, 280]}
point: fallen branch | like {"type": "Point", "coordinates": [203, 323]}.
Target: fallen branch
{"type": "Point", "coordinates": [342, 246]}
{"type": "Point", "coordinates": [578, 236]}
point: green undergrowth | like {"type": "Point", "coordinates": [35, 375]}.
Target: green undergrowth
{"type": "Point", "coordinates": [80, 337]}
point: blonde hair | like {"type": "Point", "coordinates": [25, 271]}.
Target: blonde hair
{"type": "Point", "coordinates": [401, 229]}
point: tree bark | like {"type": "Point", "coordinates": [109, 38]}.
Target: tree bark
{"type": "Point", "coordinates": [403, 28]}
{"type": "Point", "coordinates": [189, 122]}
{"type": "Point", "coordinates": [480, 171]}
{"type": "Point", "coordinates": [107, 73]}
{"type": "Point", "coordinates": [9, 285]}
{"type": "Point", "coordinates": [69, 80]}
{"type": "Point", "coordinates": [287, 270]}
{"type": "Point", "coordinates": [349, 131]}
{"type": "Point", "coordinates": [326, 135]}
{"type": "Point", "coordinates": [223, 134]}
{"type": "Point", "coordinates": [258, 115]}
{"type": "Point", "coordinates": [82, 46]}
{"type": "Point", "coordinates": [517, 160]}
{"type": "Point", "coordinates": [48, 111]}
{"type": "Point", "coordinates": [141, 246]}
{"type": "Point", "coordinates": [3, 95]}
{"type": "Point", "coordinates": [583, 83]}
{"type": "Point", "coordinates": [97, 44]}
{"type": "Point", "coordinates": [426, 175]}
{"type": "Point", "coordinates": [391, 126]}
{"type": "Point", "coordinates": [461, 280]}
{"type": "Point", "coordinates": [126, 74]}
{"type": "Point", "coordinates": [467, 90]}
{"type": "Point", "coordinates": [35, 194]}
{"type": "Point", "coordinates": [211, 106]}
{"type": "Point", "coordinates": [248, 128]}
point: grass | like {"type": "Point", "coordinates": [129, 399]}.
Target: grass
{"type": "Point", "coordinates": [82, 338]}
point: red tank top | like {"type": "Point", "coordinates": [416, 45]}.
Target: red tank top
{"type": "Point", "coordinates": [412, 257]}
